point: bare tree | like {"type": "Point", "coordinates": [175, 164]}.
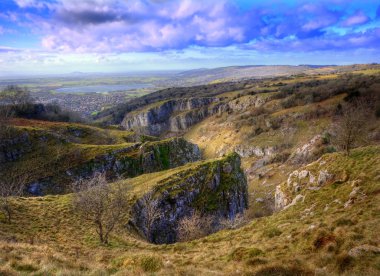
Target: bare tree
{"type": "Point", "coordinates": [10, 187]}
{"type": "Point", "coordinates": [152, 213]}
{"type": "Point", "coordinates": [194, 227]}
{"type": "Point", "coordinates": [101, 203]}
{"type": "Point", "coordinates": [352, 126]}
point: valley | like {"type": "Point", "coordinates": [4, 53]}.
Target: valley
{"type": "Point", "coordinates": [231, 175]}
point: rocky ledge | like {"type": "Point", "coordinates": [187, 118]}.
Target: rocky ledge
{"type": "Point", "coordinates": [216, 188]}
{"type": "Point", "coordinates": [170, 116]}
{"type": "Point", "coordinates": [126, 162]}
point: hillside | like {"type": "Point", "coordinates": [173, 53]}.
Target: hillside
{"type": "Point", "coordinates": [320, 234]}
{"type": "Point", "coordinates": [220, 86]}
{"type": "Point", "coordinates": [49, 156]}
{"type": "Point", "coordinates": [262, 162]}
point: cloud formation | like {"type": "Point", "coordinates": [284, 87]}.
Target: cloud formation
{"type": "Point", "coordinates": [159, 25]}
{"type": "Point", "coordinates": [46, 36]}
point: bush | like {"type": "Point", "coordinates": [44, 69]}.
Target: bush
{"type": "Point", "coordinates": [194, 227]}
{"type": "Point", "coordinates": [330, 149]}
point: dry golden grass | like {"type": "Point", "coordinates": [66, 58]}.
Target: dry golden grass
{"type": "Point", "coordinates": [287, 242]}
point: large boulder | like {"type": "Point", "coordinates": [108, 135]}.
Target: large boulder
{"type": "Point", "coordinates": [216, 188]}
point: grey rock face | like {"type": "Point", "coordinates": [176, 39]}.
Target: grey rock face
{"type": "Point", "coordinates": [127, 162]}
{"type": "Point", "coordinates": [217, 188]}
{"type": "Point", "coordinates": [249, 101]}
{"type": "Point", "coordinates": [170, 116]}
{"type": "Point", "coordinates": [305, 153]}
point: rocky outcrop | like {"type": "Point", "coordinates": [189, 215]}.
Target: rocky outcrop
{"type": "Point", "coordinates": [124, 162]}
{"type": "Point", "coordinates": [307, 152]}
{"type": "Point", "coordinates": [217, 188]}
{"type": "Point", "coordinates": [167, 154]}
{"type": "Point", "coordinates": [243, 103]}
{"type": "Point", "coordinates": [249, 151]}
{"type": "Point", "coordinates": [245, 150]}
{"type": "Point", "coordinates": [362, 250]}
{"type": "Point", "coordinates": [308, 178]}
{"type": "Point", "coordinates": [170, 116]}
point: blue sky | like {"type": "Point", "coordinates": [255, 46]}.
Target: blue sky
{"type": "Point", "coordinates": [60, 36]}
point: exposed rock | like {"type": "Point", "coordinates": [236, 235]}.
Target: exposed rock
{"type": "Point", "coordinates": [249, 151]}
{"type": "Point", "coordinates": [297, 199]}
{"type": "Point", "coordinates": [170, 116]}
{"type": "Point", "coordinates": [306, 152]}
{"type": "Point", "coordinates": [127, 162]}
{"type": "Point", "coordinates": [281, 199]}
{"type": "Point", "coordinates": [209, 188]}
{"type": "Point", "coordinates": [324, 177]}
{"type": "Point", "coordinates": [363, 250]}
{"type": "Point", "coordinates": [245, 102]}
{"type": "Point", "coordinates": [304, 179]}
{"type": "Point", "coordinates": [303, 174]}
{"type": "Point", "coordinates": [355, 195]}
{"type": "Point", "coordinates": [167, 154]}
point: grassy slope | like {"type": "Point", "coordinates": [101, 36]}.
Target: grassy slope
{"type": "Point", "coordinates": [64, 245]}
{"type": "Point", "coordinates": [66, 145]}
{"type": "Point", "coordinates": [305, 237]}
{"type": "Point", "coordinates": [298, 125]}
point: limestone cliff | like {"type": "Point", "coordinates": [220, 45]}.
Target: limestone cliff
{"type": "Point", "coordinates": [217, 188]}
{"type": "Point", "coordinates": [128, 161]}
{"type": "Point", "coordinates": [170, 116]}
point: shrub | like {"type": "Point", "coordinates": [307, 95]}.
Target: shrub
{"type": "Point", "coordinates": [194, 227]}
{"type": "Point", "coordinates": [234, 223]}
{"type": "Point", "coordinates": [289, 102]}
{"type": "Point", "coordinates": [330, 149]}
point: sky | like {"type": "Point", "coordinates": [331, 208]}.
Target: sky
{"type": "Point", "coordinates": [63, 36]}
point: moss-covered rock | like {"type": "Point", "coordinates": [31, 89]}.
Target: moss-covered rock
{"type": "Point", "coordinates": [50, 163]}
{"type": "Point", "coordinates": [216, 188]}
{"type": "Point", "coordinates": [128, 161]}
